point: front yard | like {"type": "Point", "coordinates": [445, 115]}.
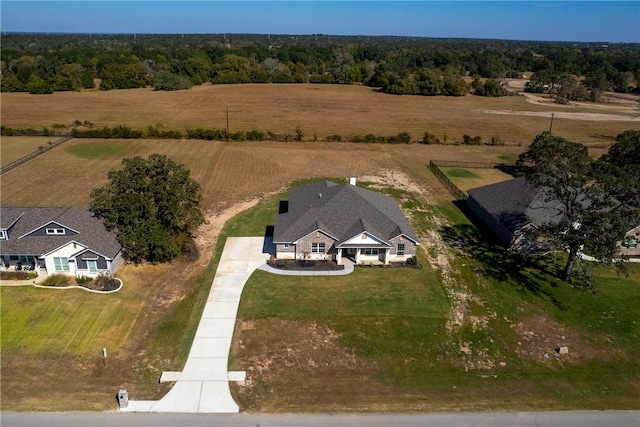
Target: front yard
{"type": "Point", "coordinates": [480, 334]}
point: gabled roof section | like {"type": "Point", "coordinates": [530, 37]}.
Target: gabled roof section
{"type": "Point", "coordinates": [9, 216]}
{"type": "Point", "coordinates": [50, 224]}
{"type": "Point", "coordinates": [361, 226]}
{"type": "Point", "coordinates": [341, 211]}
{"type": "Point", "coordinates": [91, 232]}
{"type": "Point", "coordinates": [516, 204]}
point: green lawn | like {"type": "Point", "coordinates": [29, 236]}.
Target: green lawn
{"type": "Point", "coordinates": [459, 172]}
{"type": "Point", "coordinates": [369, 291]}
{"type": "Point", "coordinates": [71, 322]}
{"type": "Point", "coordinates": [466, 179]}
{"type": "Point", "coordinates": [99, 149]}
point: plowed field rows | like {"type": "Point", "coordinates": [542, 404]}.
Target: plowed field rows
{"type": "Point", "coordinates": [227, 172]}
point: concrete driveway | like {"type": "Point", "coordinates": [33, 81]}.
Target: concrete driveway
{"type": "Point", "coordinates": [203, 385]}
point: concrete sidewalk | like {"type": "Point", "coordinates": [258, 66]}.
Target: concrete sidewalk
{"type": "Point", "coordinates": [203, 385]}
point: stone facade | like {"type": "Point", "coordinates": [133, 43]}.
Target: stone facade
{"type": "Point", "coordinates": [285, 251]}
{"type": "Point", "coordinates": [304, 246]}
{"type": "Point", "coordinates": [410, 248]}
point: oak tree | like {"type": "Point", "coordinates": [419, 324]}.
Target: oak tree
{"type": "Point", "coordinates": [590, 218]}
{"type": "Point", "coordinates": [153, 205]}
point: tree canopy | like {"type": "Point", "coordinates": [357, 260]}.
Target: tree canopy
{"type": "Point", "coordinates": [153, 205]}
{"type": "Point", "coordinates": [590, 196]}
{"type": "Point", "coordinates": [399, 65]}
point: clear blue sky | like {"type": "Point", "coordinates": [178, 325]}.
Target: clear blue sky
{"type": "Point", "coordinates": [609, 21]}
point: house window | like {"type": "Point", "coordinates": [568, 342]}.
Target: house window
{"type": "Point", "coordinates": [317, 234]}
{"type": "Point", "coordinates": [400, 250]}
{"type": "Point", "coordinates": [55, 231]}
{"type": "Point", "coordinates": [3, 235]}
{"type": "Point", "coordinates": [317, 248]}
{"type": "Point", "coordinates": [27, 259]}
{"type": "Point", "coordinates": [371, 251]}
{"type": "Point", "coordinates": [92, 266]}
{"type": "Point", "coordinates": [364, 237]}
{"type": "Point", "coordinates": [285, 246]}
{"type": "Point", "coordinates": [61, 264]}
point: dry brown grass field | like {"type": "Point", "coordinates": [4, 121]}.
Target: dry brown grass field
{"type": "Point", "coordinates": [319, 110]}
{"type": "Point", "coordinates": [14, 147]}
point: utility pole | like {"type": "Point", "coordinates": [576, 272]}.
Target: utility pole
{"type": "Point", "coordinates": [551, 125]}
{"type": "Point", "coordinates": [227, 107]}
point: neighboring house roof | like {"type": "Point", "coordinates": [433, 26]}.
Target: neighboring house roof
{"type": "Point", "coordinates": [634, 230]}
{"type": "Point", "coordinates": [341, 211]}
{"type": "Point", "coordinates": [24, 223]}
{"type": "Point", "coordinates": [516, 204]}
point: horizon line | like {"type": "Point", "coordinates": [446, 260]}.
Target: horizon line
{"type": "Point", "coordinates": [103, 33]}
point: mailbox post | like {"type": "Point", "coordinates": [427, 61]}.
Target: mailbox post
{"type": "Point", "coordinates": [123, 398]}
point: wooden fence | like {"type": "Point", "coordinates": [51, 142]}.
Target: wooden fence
{"type": "Point", "coordinates": [35, 154]}
{"type": "Point", "coordinates": [435, 165]}
{"type": "Point", "coordinates": [444, 179]}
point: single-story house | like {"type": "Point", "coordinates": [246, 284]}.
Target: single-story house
{"type": "Point", "coordinates": [630, 245]}
{"type": "Point", "coordinates": [510, 207]}
{"type": "Point", "coordinates": [67, 240]}
{"type": "Point", "coordinates": [329, 221]}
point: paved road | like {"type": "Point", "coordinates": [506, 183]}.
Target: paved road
{"type": "Point", "coordinates": [484, 419]}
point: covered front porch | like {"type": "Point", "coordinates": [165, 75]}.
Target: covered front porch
{"type": "Point", "coordinates": [358, 255]}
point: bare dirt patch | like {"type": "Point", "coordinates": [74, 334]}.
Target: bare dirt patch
{"type": "Point", "coordinates": [208, 233]}
{"type": "Point", "coordinates": [291, 357]}
{"type": "Point", "coordinates": [396, 179]}
{"type": "Point", "coordinates": [540, 339]}
{"type": "Point", "coordinates": [567, 115]}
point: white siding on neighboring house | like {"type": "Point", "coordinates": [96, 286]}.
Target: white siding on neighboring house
{"type": "Point", "coordinates": [65, 252]}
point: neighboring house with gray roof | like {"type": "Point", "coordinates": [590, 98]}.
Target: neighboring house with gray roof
{"type": "Point", "coordinates": [508, 208]}
{"type": "Point", "coordinates": [329, 221]}
{"type": "Point", "coordinates": [67, 240]}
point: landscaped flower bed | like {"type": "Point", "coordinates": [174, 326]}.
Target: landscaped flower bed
{"type": "Point", "coordinates": [102, 283]}
{"type": "Point", "coordinates": [18, 275]}
{"type": "Point", "coordinates": [291, 264]}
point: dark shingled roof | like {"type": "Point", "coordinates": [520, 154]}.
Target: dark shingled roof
{"type": "Point", "coordinates": [90, 230]}
{"type": "Point", "coordinates": [342, 211]}
{"type": "Point", "coordinates": [516, 204]}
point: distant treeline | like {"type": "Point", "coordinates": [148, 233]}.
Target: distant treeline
{"type": "Point", "coordinates": [40, 64]}
{"type": "Point", "coordinates": [211, 134]}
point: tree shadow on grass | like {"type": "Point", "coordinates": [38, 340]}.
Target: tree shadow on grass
{"type": "Point", "coordinates": [499, 264]}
